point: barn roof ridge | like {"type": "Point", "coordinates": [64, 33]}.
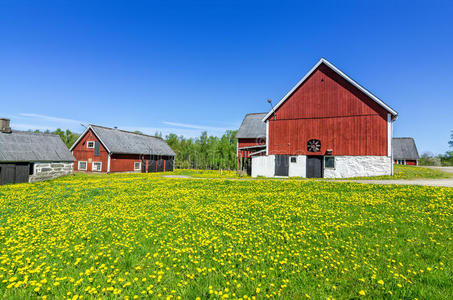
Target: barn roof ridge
{"type": "Point", "coordinates": [126, 131]}
{"type": "Point", "coordinates": [339, 72]}
{"type": "Point", "coordinates": [26, 146]}
{"type": "Point", "coordinates": [404, 148]}
{"type": "Point", "coordinates": [127, 142]}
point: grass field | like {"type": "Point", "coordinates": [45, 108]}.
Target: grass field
{"type": "Point", "coordinates": [141, 236]}
{"type": "Point", "coordinates": [401, 172]}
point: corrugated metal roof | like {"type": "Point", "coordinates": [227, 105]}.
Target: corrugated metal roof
{"type": "Point", "coordinates": [404, 148]}
{"type": "Point", "coordinates": [22, 146]}
{"type": "Point", "coordinates": [120, 141]}
{"type": "Point", "coordinates": [252, 126]}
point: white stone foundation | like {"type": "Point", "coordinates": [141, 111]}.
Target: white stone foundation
{"type": "Point", "coordinates": [345, 166]}
{"type": "Point", "coordinates": [46, 171]}
{"type": "Point", "coordinates": [359, 166]}
{"type": "Point", "coordinates": [263, 166]}
{"type": "Point", "coordinates": [299, 168]}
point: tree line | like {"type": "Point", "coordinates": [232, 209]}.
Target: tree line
{"type": "Point", "coordinates": [446, 159]}
{"type": "Point", "coordinates": [203, 152]}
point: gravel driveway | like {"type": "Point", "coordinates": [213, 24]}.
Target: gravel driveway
{"type": "Point", "coordinates": [447, 182]}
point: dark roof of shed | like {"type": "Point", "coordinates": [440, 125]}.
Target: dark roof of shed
{"type": "Point", "coordinates": [23, 146]}
{"type": "Point", "coordinates": [404, 148]}
{"type": "Point", "coordinates": [126, 142]}
{"type": "Point", "coordinates": [252, 126]}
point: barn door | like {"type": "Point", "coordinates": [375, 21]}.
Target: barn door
{"type": "Point", "coordinates": [22, 173]}
{"type": "Point", "coordinates": [281, 165]}
{"type": "Point", "coordinates": [314, 166]}
{"type": "Point", "coordinates": [152, 165]}
{"type": "Point", "coordinates": [143, 166]}
{"type": "Point", "coordinates": [7, 173]}
{"type": "Point", "coordinates": [169, 164]}
{"type": "Point", "coordinates": [160, 165]}
{"type": "Point", "coordinates": [11, 173]}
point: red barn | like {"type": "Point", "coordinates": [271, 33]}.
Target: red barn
{"type": "Point", "coordinates": [251, 138]}
{"type": "Point", "coordinates": [327, 126]}
{"type": "Point", "coordinates": [103, 149]}
{"type": "Point", "coordinates": [405, 151]}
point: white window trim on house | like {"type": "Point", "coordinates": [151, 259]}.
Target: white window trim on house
{"type": "Point", "coordinates": [93, 168]}
{"type": "Point", "coordinates": [81, 169]}
{"type": "Point", "coordinates": [88, 144]}
{"type": "Point", "coordinates": [139, 166]}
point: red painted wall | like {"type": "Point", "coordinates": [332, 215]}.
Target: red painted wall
{"type": "Point", "coordinates": [118, 162]}
{"type": "Point", "coordinates": [247, 143]}
{"type": "Point", "coordinates": [328, 108]}
{"type": "Point", "coordinates": [82, 153]}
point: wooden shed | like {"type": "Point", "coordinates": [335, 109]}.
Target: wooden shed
{"type": "Point", "coordinates": [104, 149]}
{"type": "Point", "coordinates": [28, 157]}
{"type": "Point", "coordinates": [405, 151]}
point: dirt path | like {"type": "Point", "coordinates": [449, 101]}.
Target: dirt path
{"type": "Point", "coordinates": [446, 182]}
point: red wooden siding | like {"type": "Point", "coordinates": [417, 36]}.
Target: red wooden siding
{"type": "Point", "coordinates": [125, 162]}
{"type": "Point", "coordinates": [411, 162]}
{"type": "Point", "coordinates": [328, 108]}
{"type": "Point", "coordinates": [247, 143]}
{"type": "Point", "coordinates": [82, 153]}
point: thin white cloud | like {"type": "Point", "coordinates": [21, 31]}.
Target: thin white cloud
{"type": "Point", "coordinates": [50, 118]}
{"type": "Point", "coordinates": [193, 126]}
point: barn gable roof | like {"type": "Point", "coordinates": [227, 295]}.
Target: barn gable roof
{"type": "Point", "coordinates": [404, 148]}
{"type": "Point", "coordinates": [126, 142]}
{"type": "Point", "coordinates": [252, 126]}
{"type": "Point", "coordinates": [339, 72]}
{"type": "Point", "coordinates": [24, 146]}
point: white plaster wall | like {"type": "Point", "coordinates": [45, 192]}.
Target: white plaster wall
{"type": "Point", "coordinates": [299, 168]}
{"type": "Point", "coordinates": [263, 166]}
{"type": "Point", "coordinates": [359, 166]}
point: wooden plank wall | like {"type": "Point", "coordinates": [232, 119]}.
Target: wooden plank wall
{"type": "Point", "coordinates": [328, 108]}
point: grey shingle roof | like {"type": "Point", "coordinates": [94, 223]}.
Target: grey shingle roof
{"type": "Point", "coordinates": [252, 126]}
{"type": "Point", "coordinates": [120, 141]}
{"type": "Point", "coordinates": [22, 146]}
{"type": "Point", "coordinates": [404, 148]}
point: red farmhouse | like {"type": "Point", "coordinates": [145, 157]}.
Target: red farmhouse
{"type": "Point", "coordinates": [326, 126]}
{"type": "Point", "coordinates": [103, 149]}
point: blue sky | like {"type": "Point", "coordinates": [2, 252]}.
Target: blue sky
{"type": "Point", "coordinates": [183, 67]}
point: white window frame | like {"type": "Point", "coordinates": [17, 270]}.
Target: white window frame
{"type": "Point", "coordinates": [88, 143]}
{"type": "Point", "coordinates": [139, 165]}
{"type": "Point", "coordinates": [290, 159]}
{"type": "Point", "coordinates": [92, 166]}
{"type": "Point", "coordinates": [86, 165]}
{"type": "Point", "coordinates": [334, 162]}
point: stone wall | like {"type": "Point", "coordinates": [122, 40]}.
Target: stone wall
{"type": "Point", "coordinates": [360, 166]}
{"type": "Point", "coordinates": [46, 171]}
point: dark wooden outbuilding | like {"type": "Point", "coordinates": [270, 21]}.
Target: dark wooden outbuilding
{"type": "Point", "coordinates": [27, 156]}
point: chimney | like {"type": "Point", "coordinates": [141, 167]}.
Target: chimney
{"type": "Point", "coordinates": [4, 125]}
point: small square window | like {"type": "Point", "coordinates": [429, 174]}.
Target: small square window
{"type": "Point", "coordinates": [82, 165]}
{"type": "Point", "coordinates": [90, 144]}
{"type": "Point", "coordinates": [137, 166]}
{"type": "Point", "coordinates": [97, 166]}
{"type": "Point", "coordinates": [329, 162]}
{"type": "Point", "coordinates": [293, 159]}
